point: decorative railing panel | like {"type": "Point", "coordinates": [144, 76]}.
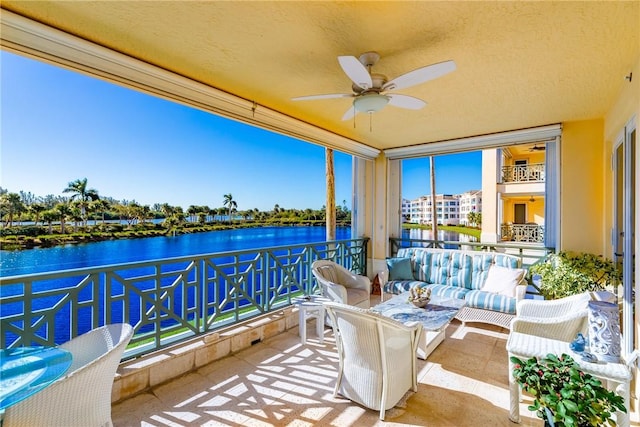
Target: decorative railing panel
{"type": "Point", "coordinates": [523, 173]}
{"type": "Point", "coordinates": [165, 300]}
{"type": "Point", "coordinates": [529, 233]}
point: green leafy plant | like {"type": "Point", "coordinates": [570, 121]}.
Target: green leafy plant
{"type": "Point", "coordinates": [568, 273]}
{"type": "Point", "coordinates": [564, 395]}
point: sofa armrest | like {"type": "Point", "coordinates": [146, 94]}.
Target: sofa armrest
{"type": "Point", "coordinates": [521, 291]}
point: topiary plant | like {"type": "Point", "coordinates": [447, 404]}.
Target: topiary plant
{"type": "Point", "coordinates": [568, 273]}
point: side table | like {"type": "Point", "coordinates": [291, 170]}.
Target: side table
{"type": "Point", "coordinates": [615, 375]}
{"type": "Point", "coordinates": [310, 307]}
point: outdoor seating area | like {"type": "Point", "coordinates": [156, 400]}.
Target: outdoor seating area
{"type": "Point", "coordinates": [490, 283]}
{"type": "Point", "coordinates": [280, 381]}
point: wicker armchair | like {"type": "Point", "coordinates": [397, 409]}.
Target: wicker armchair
{"type": "Point", "coordinates": [559, 319]}
{"type": "Point", "coordinates": [377, 356]}
{"type": "Point", "coordinates": [340, 285]}
{"type": "Point", "coordinates": [83, 396]}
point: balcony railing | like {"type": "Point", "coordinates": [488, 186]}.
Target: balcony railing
{"type": "Point", "coordinates": [529, 233]}
{"type": "Point", "coordinates": [165, 300]}
{"type": "Point", "coordinates": [523, 173]}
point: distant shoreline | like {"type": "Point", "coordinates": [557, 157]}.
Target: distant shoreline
{"type": "Point", "coordinates": [102, 232]}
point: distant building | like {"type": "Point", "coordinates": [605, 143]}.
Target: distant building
{"type": "Point", "coordinates": [447, 209]}
{"type": "Point", "coordinates": [406, 210]}
{"type": "Point", "coordinates": [470, 201]}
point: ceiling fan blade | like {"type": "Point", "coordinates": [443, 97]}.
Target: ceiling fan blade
{"type": "Point", "coordinates": [350, 113]}
{"type": "Point", "coordinates": [357, 72]}
{"type": "Point", "coordinates": [324, 96]}
{"type": "Point", "coordinates": [420, 75]}
{"type": "Point", "coordinates": [405, 101]}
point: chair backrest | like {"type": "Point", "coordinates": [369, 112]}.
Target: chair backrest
{"type": "Point", "coordinates": [326, 270]}
{"type": "Point", "coordinates": [377, 356]}
{"type": "Point", "coordinates": [83, 396]}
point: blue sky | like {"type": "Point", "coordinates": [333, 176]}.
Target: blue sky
{"type": "Point", "coordinates": [59, 126]}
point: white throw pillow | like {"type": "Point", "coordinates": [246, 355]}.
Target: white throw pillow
{"type": "Point", "coordinates": [503, 280]}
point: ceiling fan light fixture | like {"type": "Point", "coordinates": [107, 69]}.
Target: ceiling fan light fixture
{"type": "Point", "coordinates": [370, 103]}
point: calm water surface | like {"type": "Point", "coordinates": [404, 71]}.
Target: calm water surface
{"type": "Point", "coordinates": [13, 263]}
{"type": "Point", "coordinates": [67, 257]}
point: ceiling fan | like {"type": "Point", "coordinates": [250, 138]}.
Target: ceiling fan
{"type": "Point", "coordinates": [536, 148]}
{"type": "Point", "coordinates": [371, 90]}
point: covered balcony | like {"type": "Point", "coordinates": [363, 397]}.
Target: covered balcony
{"type": "Point", "coordinates": [526, 73]}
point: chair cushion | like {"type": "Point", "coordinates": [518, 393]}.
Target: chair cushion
{"type": "Point", "coordinates": [400, 269]}
{"type": "Point", "coordinates": [503, 280]}
{"type": "Point", "coordinates": [356, 296]}
{"type": "Point", "coordinates": [490, 301]}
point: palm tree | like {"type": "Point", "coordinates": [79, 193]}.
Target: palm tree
{"type": "Point", "coordinates": [83, 194]}
{"type": "Point", "coordinates": [63, 211]}
{"type": "Point", "coordinates": [230, 204]}
{"type": "Point", "coordinates": [434, 210]}
{"type": "Point", "coordinates": [100, 206]}
{"type": "Point", "coordinates": [36, 209]}
{"type": "Point", "coordinates": [11, 204]}
{"type": "Point", "coordinates": [48, 217]}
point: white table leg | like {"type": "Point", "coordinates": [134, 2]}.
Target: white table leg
{"type": "Point", "coordinates": [302, 324]}
{"type": "Point", "coordinates": [320, 323]}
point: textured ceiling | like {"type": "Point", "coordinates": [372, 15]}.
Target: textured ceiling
{"type": "Point", "coordinates": [520, 64]}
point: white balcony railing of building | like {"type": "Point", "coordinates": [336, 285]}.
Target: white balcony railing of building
{"type": "Point", "coordinates": [529, 233]}
{"type": "Point", "coordinates": [166, 300]}
{"type": "Point", "coordinates": [523, 173]}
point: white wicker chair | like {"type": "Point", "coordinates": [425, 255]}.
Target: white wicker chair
{"type": "Point", "coordinates": [377, 356]}
{"type": "Point", "coordinates": [559, 319]}
{"type": "Point", "coordinates": [340, 285]}
{"type": "Point", "coordinates": [83, 396]}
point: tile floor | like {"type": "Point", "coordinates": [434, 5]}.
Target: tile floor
{"type": "Point", "coordinates": [280, 382]}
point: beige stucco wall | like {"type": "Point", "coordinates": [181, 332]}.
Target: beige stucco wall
{"type": "Point", "coordinates": [581, 186]}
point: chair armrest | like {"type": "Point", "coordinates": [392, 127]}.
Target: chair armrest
{"type": "Point", "coordinates": [563, 328]}
{"type": "Point", "coordinates": [335, 292]}
{"type": "Point", "coordinates": [361, 282]}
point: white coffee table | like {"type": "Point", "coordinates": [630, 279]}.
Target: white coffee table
{"type": "Point", "coordinates": [434, 317]}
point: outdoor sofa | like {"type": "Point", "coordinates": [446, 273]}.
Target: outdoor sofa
{"type": "Point", "coordinates": [491, 283]}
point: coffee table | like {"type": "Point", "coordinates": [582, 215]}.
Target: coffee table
{"type": "Point", "coordinates": [434, 317]}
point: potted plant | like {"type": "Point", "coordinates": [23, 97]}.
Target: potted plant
{"type": "Point", "coordinates": [563, 394]}
{"type": "Point", "coordinates": [568, 273]}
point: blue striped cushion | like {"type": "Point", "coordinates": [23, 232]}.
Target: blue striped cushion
{"type": "Point", "coordinates": [400, 286]}
{"type": "Point", "coordinates": [448, 291]}
{"type": "Point", "coordinates": [491, 301]}
{"type": "Point", "coordinates": [422, 265]}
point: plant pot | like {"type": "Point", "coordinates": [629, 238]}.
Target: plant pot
{"type": "Point", "coordinates": [604, 331]}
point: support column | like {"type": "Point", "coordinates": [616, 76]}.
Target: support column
{"type": "Point", "coordinates": [331, 195]}
{"type": "Point", "coordinates": [490, 162]}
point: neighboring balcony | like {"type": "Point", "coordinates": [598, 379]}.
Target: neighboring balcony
{"type": "Point", "coordinates": [527, 233]}
{"type": "Point", "coordinates": [523, 173]}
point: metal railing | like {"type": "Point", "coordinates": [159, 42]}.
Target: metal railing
{"type": "Point", "coordinates": [523, 173]}
{"type": "Point", "coordinates": [165, 300]}
{"type": "Point", "coordinates": [529, 233]}
{"type": "Point", "coordinates": [528, 254]}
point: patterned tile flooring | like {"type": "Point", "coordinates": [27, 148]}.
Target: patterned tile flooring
{"type": "Point", "coordinates": [280, 382]}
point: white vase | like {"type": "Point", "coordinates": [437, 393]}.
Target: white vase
{"type": "Point", "coordinates": [604, 331]}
